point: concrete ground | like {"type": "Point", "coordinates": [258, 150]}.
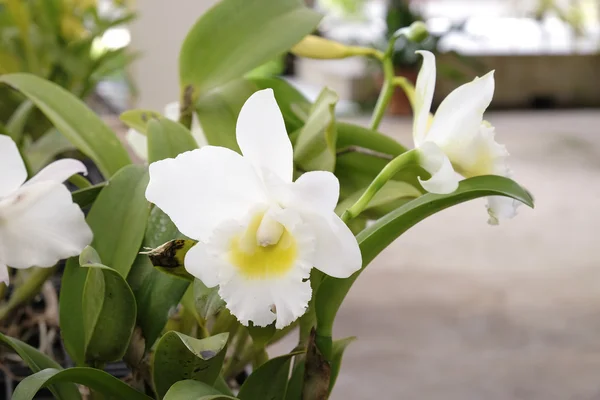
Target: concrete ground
{"type": "Point", "coordinates": [456, 309]}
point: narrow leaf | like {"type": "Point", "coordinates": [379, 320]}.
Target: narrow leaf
{"type": "Point", "coordinates": [37, 361]}
{"type": "Point", "coordinates": [269, 381]}
{"type": "Point", "coordinates": [74, 120]}
{"type": "Point", "coordinates": [378, 236]}
{"type": "Point", "coordinates": [95, 379]}
{"type": "Point", "coordinates": [316, 144]}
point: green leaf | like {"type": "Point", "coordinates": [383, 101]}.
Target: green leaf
{"type": "Point", "coordinates": [44, 150]}
{"type": "Point", "coordinates": [338, 348]}
{"type": "Point", "coordinates": [207, 300]}
{"type": "Point", "coordinates": [194, 390]}
{"type": "Point", "coordinates": [87, 196]}
{"type": "Point", "coordinates": [269, 381]}
{"type": "Point", "coordinates": [138, 119]}
{"type": "Point", "coordinates": [350, 135]}
{"type": "Point", "coordinates": [179, 357]}
{"type": "Point", "coordinates": [378, 236]}
{"type": "Point", "coordinates": [18, 119]}
{"type": "Point", "coordinates": [167, 139]}
{"type": "Point", "coordinates": [156, 292]}
{"type": "Point", "coordinates": [109, 310]}
{"type": "Point", "coordinates": [294, 389]}
{"type": "Point", "coordinates": [37, 361]}
{"type": "Point", "coordinates": [315, 148]}
{"type": "Point", "coordinates": [95, 379]}
{"type": "Point", "coordinates": [224, 43]}
{"type": "Point", "coordinates": [74, 120]}
{"type": "Point", "coordinates": [118, 220]}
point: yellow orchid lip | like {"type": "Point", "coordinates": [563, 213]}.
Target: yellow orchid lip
{"type": "Point", "coordinates": [256, 261]}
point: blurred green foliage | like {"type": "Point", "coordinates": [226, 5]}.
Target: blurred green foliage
{"type": "Point", "coordinates": [59, 40]}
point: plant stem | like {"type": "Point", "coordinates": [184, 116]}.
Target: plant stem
{"type": "Point", "coordinates": [386, 92]}
{"type": "Point", "coordinates": [241, 355]}
{"type": "Point", "coordinates": [407, 87]}
{"type": "Point", "coordinates": [392, 168]}
{"type": "Point", "coordinates": [30, 287]}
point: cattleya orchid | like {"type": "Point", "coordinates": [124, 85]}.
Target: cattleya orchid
{"type": "Point", "coordinates": [259, 232]}
{"type": "Point", "coordinates": [139, 143]}
{"type": "Point", "coordinates": [39, 223]}
{"type": "Point", "coordinates": [457, 139]}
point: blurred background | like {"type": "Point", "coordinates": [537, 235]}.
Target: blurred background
{"type": "Point", "coordinates": [455, 309]}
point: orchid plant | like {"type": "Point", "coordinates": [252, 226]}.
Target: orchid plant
{"type": "Point", "coordinates": [245, 222]}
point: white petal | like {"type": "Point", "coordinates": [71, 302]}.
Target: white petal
{"type": "Point", "coordinates": [337, 253]}
{"type": "Point", "coordinates": [4, 276]}
{"type": "Point", "coordinates": [500, 207]}
{"type": "Point", "coordinates": [138, 143]}
{"type": "Point", "coordinates": [202, 264]}
{"type": "Point", "coordinates": [12, 168]}
{"type": "Point", "coordinates": [59, 171]}
{"type": "Point", "coordinates": [459, 116]}
{"type": "Point", "coordinates": [172, 111]}
{"type": "Point", "coordinates": [443, 179]}
{"type": "Point", "coordinates": [262, 136]}
{"type": "Point", "coordinates": [202, 188]}
{"type": "Point", "coordinates": [40, 225]}
{"type": "Point", "coordinates": [263, 301]}
{"type": "Point", "coordinates": [423, 96]}
{"type": "Point", "coordinates": [315, 190]}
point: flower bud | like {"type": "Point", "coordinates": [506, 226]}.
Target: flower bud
{"type": "Point", "coordinates": [324, 49]}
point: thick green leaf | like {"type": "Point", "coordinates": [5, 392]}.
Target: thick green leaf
{"type": "Point", "coordinates": [168, 138]}
{"type": "Point", "coordinates": [37, 361]}
{"type": "Point", "coordinates": [269, 381]}
{"type": "Point", "coordinates": [156, 292]}
{"type": "Point", "coordinates": [378, 236]}
{"type": "Point", "coordinates": [95, 379]}
{"type": "Point", "coordinates": [109, 310]}
{"type": "Point", "coordinates": [178, 357]}
{"type": "Point", "coordinates": [118, 220]}
{"type": "Point", "coordinates": [315, 148]}
{"type": "Point", "coordinates": [138, 119]}
{"type": "Point", "coordinates": [294, 388]}
{"type": "Point", "coordinates": [207, 300]}
{"type": "Point", "coordinates": [46, 149]}
{"type": "Point", "coordinates": [338, 348]}
{"type": "Point", "coordinates": [87, 196]}
{"type": "Point", "coordinates": [223, 44]}
{"type": "Point", "coordinates": [194, 390]}
{"type": "Point", "coordinates": [74, 120]}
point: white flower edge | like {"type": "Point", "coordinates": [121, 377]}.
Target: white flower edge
{"type": "Point", "coordinates": [220, 198]}
{"type": "Point", "coordinates": [39, 223]}
{"type": "Point", "coordinates": [457, 141]}
{"type": "Point", "coordinates": [138, 142]}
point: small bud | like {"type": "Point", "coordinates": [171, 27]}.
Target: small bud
{"type": "Point", "coordinates": [417, 32]}
{"type": "Point", "coordinates": [324, 49]}
{"type": "Point", "coordinates": [317, 47]}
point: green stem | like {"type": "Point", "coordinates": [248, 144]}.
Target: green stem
{"type": "Point", "coordinates": [80, 181]}
{"type": "Point", "coordinates": [407, 87]}
{"type": "Point", "coordinates": [386, 92]}
{"type": "Point", "coordinates": [392, 168]}
{"type": "Point", "coordinates": [261, 356]}
{"type": "Point", "coordinates": [30, 287]}
{"type": "Point", "coordinates": [241, 355]}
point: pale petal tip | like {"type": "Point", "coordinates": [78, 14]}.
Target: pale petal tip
{"type": "Point", "coordinates": [500, 207]}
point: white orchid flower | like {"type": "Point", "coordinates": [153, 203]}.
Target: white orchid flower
{"type": "Point", "coordinates": [39, 223]}
{"type": "Point", "coordinates": [139, 143]}
{"type": "Point", "coordinates": [259, 232]}
{"type": "Point", "coordinates": [457, 139]}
